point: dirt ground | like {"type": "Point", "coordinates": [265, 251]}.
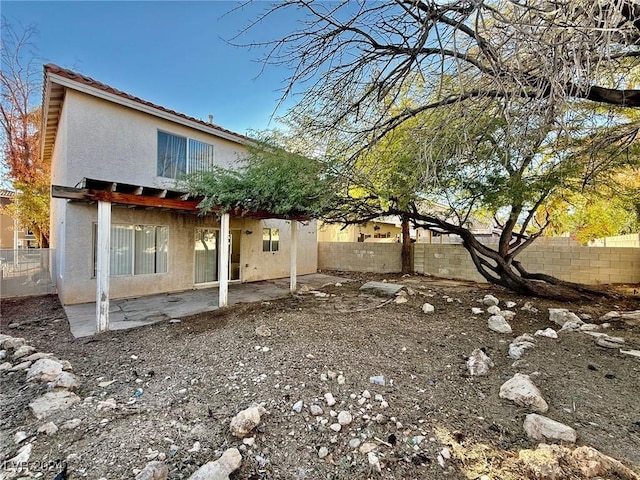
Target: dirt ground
{"type": "Point", "coordinates": [197, 374]}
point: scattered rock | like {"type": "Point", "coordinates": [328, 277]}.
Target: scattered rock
{"type": "Point", "coordinates": [633, 353]}
{"type": "Point", "coordinates": [547, 332]}
{"type": "Point", "coordinates": [541, 428]}
{"type": "Point", "coordinates": [517, 349]}
{"type": "Point", "coordinates": [341, 380]}
{"type": "Point", "coordinates": [263, 331]}
{"type": "Point", "coordinates": [609, 342]}
{"type": "Point", "coordinates": [528, 307]}
{"type": "Point", "coordinates": [378, 380]}
{"type": "Point", "coordinates": [20, 366]}
{"type": "Point", "coordinates": [108, 404]}
{"type": "Point", "coordinates": [13, 343]}
{"type": "Point", "coordinates": [323, 452]}
{"type": "Point", "coordinates": [381, 288]}
{"type": "Point", "coordinates": [297, 407]}
{"type": "Point", "coordinates": [497, 323]}
{"type": "Point", "coordinates": [570, 326]}
{"type": "Point", "coordinates": [21, 459]}
{"type": "Point", "coordinates": [23, 351]}
{"type": "Point", "coordinates": [354, 443]}
{"type": "Point", "coordinates": [508, 314]}
{"type": "Point", "coordinates": [328, 397]}
{"type": "Point", "coordinates": [5, 366]}
{"type": "Point", "coordinates": [521, 390]}
{"type": "Point", "coordinates": [367, 447]}
{"type": "Point", "coordinates": [37, 356]}
{"type": "Point", "coordinates": [20, 437]}
{"type": "Point", "coordinates": [510, 304]}
{"type": "Point", "coordinates": [525, 337]}
{"type": "Point", "coordinates": [401, 299]}
{"type": "Point", "coordinates": [490, 300]}
{"type": "Point", "coordinates": [493, 310]}
{"type": "Point", "coordinates": [244, 422]}
{"type": "Point", "coordinates": [428, 308]}
{"type": "Point", "coordinates": [344, 418]}
{"type": "Point", "coordinates": [316, 410]}
{"type": "Point", "coordinates": [44, 370]}
{"type": "Point", "coordinates": [477, 311]}
{"type": "Point", "coordinates": [155, 470]}
{"type": "Point", "coordinates": [51, 402]}
{"type": "Point", "coordinates": [374, 461]}
{"type": "Point", "coordinates": [479, 363]}
{"type": "Point", "coordinates": [48, 428]}
{"type": "Point", "coordinates": [71, 424]}
{"type": "Point", "coordinates": [595, 464]}
{"type": "Point", "coordinates": [562, 316]}
{"type": "Point", "coordinates": [67, 381]}
{"type": "Point", "coordinates": [587, 327]}
{"type": "Point", "coordinates": [336, 427]}
{"type": "Point", "coordinates": [228, 463]}
{"type": "Point", "coordinates": [542, 463]}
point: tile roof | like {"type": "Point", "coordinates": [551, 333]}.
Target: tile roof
{"type": "Point", "coordinates": [51, 68]}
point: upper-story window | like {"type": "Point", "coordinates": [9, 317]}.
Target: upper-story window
{"type": "Point", "coordinates": [178, 155]}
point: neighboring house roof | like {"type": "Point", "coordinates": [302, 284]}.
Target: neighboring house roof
{"type": "Point", "coordinates": [57, 79]}
{"type": "Point", "coordinates": [7, 193]}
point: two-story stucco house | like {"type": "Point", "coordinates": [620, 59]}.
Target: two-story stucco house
{"type": "Point", "coordinates": [119, 227]}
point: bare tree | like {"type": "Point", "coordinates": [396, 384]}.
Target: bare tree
{"type": "Point", "coordinates": [20, 119]}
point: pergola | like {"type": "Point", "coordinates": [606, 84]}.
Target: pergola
{"type": "Point", "coordinates": [106, 194]}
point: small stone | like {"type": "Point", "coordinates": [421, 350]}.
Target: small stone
{"type": "Point", "coordinates": [510, 304]}
{"type": "Point", "coordinates": [44, 370]}
{"type": "Point", "coordinates": [378, 397]}
{"type": "Point", "coordinates": [428, 308]}
{"type": "Point", "coordinates": [547, 332]}
{"type": "Point", "coordinates": [71, 424]}
{"type": "Point", "coordinates": [316, 410]}
{"type": "Point", "coordinates": [401, 299]}
{"type": "Point", "coordinates": [108, 404]}
{"type": "Point", "coordinates": [21, 458]}
{"type": "Point", "coordinates": [384, 404]}
{"type": "Point", "coordinates": [476, 311]}
{"type": "Point", "coordinates": [446, 453]}
{"type": "Point", "coordinates": [367, 447]}
{"type": "Point", "coordinates": [344, 418]}
{"type": "Point", "coordinates": [497, 323]}
{"type": "Point", "coordinates": [23, 351]}
{"type": "Point", "coordinates": [490, 300]}
{"type": "Point", "coordinates": [609, 342]}
{"type": "Point", "coordinates": [245, 421]}
{"type": "Point", "coordinates": [5, 366]}
{"type": "Point", "coordinates": [13, 343]}
{"type": "Point", "coordinates": [19, 437]}
{"type": "Point", "coordinates": [508, 315]}
{"type": "Point", "coordinates": [48, 428]}
{"type": "Point", "coordinates": [378, 380]}
{"type": "Point", "coordinates": [51, 402]}
{"type": "Point", "coordinates": [263, 331]}
{"type": "Point", "coordinates": [297, 407]}
{"type": "Point", "coordinates": [21, 366]}
{"type": "Point", "coordinates": [562, 316]}
{"type": "Point", "coordinates": [493, 310]}
{"type": "Point", "coordinates": [328, 397]}
{"type": "Point", "coordinates": [323, 452]}
{"type": "Point", "coordinates": [336, 427]}
{"type": "Point", "coordinates": [479, 363]}
{"type": "Point", "coordinates": [571, 326]}
{"type": "Point", "coordinates": [341, 380]}
{"type": "Point", "coordinates": [366, 394]}
{"type": "Point", "coordinates": [66, 381]}
{"type": "Point", "coordinates": [516, 350]}
{"type": "Point", "coordinates": [354, 443]}
{"type": "Point", "coordinates": [528, 307]}
{"type": "Point", "coordinates": [196, 445]}
{"type": "Point", "coordinates": [542, 428]}
{"type": "Point", "coordinates": [587, 327]}
{"type": "Point", "coordinates": [228, 463]}
{"type": "Point", "coordinates": [373, 461]}
{"type": "Point", "coordinates": [175, 320]}
{"type": "Point", "coordinates": [154, 470]}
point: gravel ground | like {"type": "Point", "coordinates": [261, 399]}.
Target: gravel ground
{"type": "Point", "coordinates": [196, 375]}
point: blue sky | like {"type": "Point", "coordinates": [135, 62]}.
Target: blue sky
{"type": "Point", "coordinates": [170, 53]}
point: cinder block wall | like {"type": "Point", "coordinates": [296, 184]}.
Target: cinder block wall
{"type": "Point", "coordinates": [590, 265]}
{"type": "Point", "coordinates": [359, 257]}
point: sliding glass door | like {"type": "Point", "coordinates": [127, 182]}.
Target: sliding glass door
{"type": "Point", "coordinates": [206, 255]}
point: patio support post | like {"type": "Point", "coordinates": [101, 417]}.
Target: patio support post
{"type": "Point", "coordinates": [224, 261]}
{"type": "Point", "coordinates": [294, 257]}
{"type": "Point", "coordinates": [102, 266]}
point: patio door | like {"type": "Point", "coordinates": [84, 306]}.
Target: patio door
{"type": "Point", "coordinates": [207, 243]}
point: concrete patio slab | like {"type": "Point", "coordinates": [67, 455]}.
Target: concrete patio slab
{"type": "Point", "coordinates": [136, 312]}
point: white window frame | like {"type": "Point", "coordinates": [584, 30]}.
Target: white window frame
{"type": "Point", "coordinates": [271, 231]}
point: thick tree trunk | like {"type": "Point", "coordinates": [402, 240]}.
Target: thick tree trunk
{"type": "Point", "coordinates": [499, 266]}
{"type": "Point", "coordinates": [406, 246]}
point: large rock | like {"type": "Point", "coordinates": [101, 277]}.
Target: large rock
{"type": "Point", "coordinates": [479, 363]}
{"type": "Point", "coordinates": [547, 332]}
{"type": "Point", "coordinates": [23, 351]}
{"type": "Point", "coordinates": [12, 343]}
{"type": "Point", "coordinates": [561, 316]}
{"type": "Point", "coordinates": [543, 463]}
{"type": "Point", "coordinates": [51, 402]}
{"type": "Point", "coordinates": [44, 370]}
{"type": "Point", "coordinates": [543, 428]}
{"type": "Point", "coordinates": [381, 288]}
{"type": "Point", "coordinates": [521, 390]}
{"type": "Point", "coordinates": [66, 381]}
{"type": "Point", "coordinates": [228, 463]}
{"type": "Point", "coordinates": [595, 464]}
{"type": "Point", "coordinates": [155, 470]}
{"type": "Point", "coordinates": [246, 420]}
{"type": "Point", "coordinates": [497, 323]}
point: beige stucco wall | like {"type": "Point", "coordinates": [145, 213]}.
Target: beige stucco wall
{"type": "Point", "coordinates": [79, 285]}
{"type": "Point", "coordinates": [100, 140]}
{"type": "Point", "coordinates": [110, 142]}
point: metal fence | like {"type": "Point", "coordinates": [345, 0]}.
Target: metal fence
{"type": "Point", "coordinates": [25, 272]}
